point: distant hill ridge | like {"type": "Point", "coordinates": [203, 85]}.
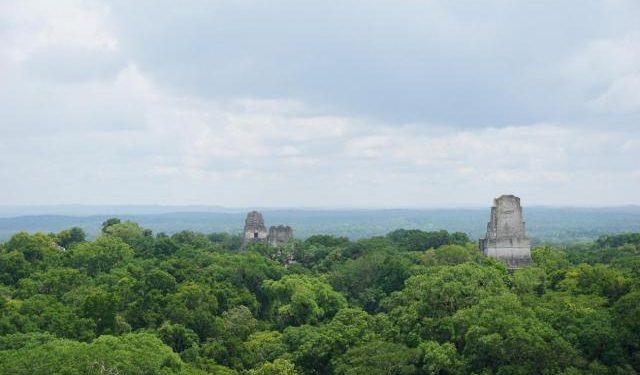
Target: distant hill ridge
{"type": "Point", "coordinates": [552, 224]}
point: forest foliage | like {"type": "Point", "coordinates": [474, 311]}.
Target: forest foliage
{"type": "Point", "coordinates": [410, 302]}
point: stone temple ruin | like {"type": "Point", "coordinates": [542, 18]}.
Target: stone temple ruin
{"type": "Point", "coordinates": [279, 235]}
{"type": "Point", "coordinates": [506, 239]}
{"type": "Point", "coordinates": [256, 231]}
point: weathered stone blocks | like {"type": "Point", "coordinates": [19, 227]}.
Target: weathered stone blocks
{"type": "Point", "coordinates": [256, 231]}
{"type": "Point", "coordinates": [506, 238]}
{"type": "Point", "coordinates": [280, 235]}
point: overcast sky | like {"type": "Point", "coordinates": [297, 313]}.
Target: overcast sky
{"type": "Point", "coordinates": [288, 103]}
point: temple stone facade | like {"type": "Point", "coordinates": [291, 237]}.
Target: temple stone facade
{"type": "Point", "coordinates": [280, 235]}
{"type": "Point", "coordinates": [506, 238]}
{"type": "Point", "coordinates": [256, 231]}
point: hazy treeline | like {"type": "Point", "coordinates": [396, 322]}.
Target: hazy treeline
{"type": "Point", "coordinates": [544, 224]}
{"type": "Point", "coordinates": [410, 302]}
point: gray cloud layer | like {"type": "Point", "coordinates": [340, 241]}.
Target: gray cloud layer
{"type": "Point", "coordinates": [377, 103]}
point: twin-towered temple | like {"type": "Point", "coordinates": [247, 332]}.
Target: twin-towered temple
{"type": "Point", "coordinates": [256, 231]}
{"type": "Point", "coordinates": [505, 239]}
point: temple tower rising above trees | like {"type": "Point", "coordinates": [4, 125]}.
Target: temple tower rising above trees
{"type": "Point", "coordinates": [280, 235]}
{"type": "Point", "coordinates": [256, 231]}
{"type": "Point", "coordinates": [506, 238]}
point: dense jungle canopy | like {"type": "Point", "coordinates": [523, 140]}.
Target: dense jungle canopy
{"type": "Point", "coordinates": [410, 302]}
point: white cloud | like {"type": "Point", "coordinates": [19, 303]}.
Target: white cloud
{"type": "Point", "coordinates": [84, 120]}
{"type": "Point", "coordinates": [191, 150]}
{"type": "Point", "coordinates": [42, 24]}
{"type": "Point", "coordinates": [609, 71]}
{"type": "Point", "coordinates": [604, 60]}
{"type": "Point", "coordinates": [622, 96]}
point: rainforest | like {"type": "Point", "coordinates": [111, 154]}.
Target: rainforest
{"type": "Point", "coordinates": [411, 302]}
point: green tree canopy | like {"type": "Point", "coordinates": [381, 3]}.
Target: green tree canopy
{"type": "Point", "coordinates": [128, 354]}
{"type": "Point", "coordinates": [300, 299]}
{"type": "Point", "coordinates": [378, 358]}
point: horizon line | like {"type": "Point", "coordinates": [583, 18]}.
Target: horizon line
{"type": "Point", "coordinates": [208, 207]}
